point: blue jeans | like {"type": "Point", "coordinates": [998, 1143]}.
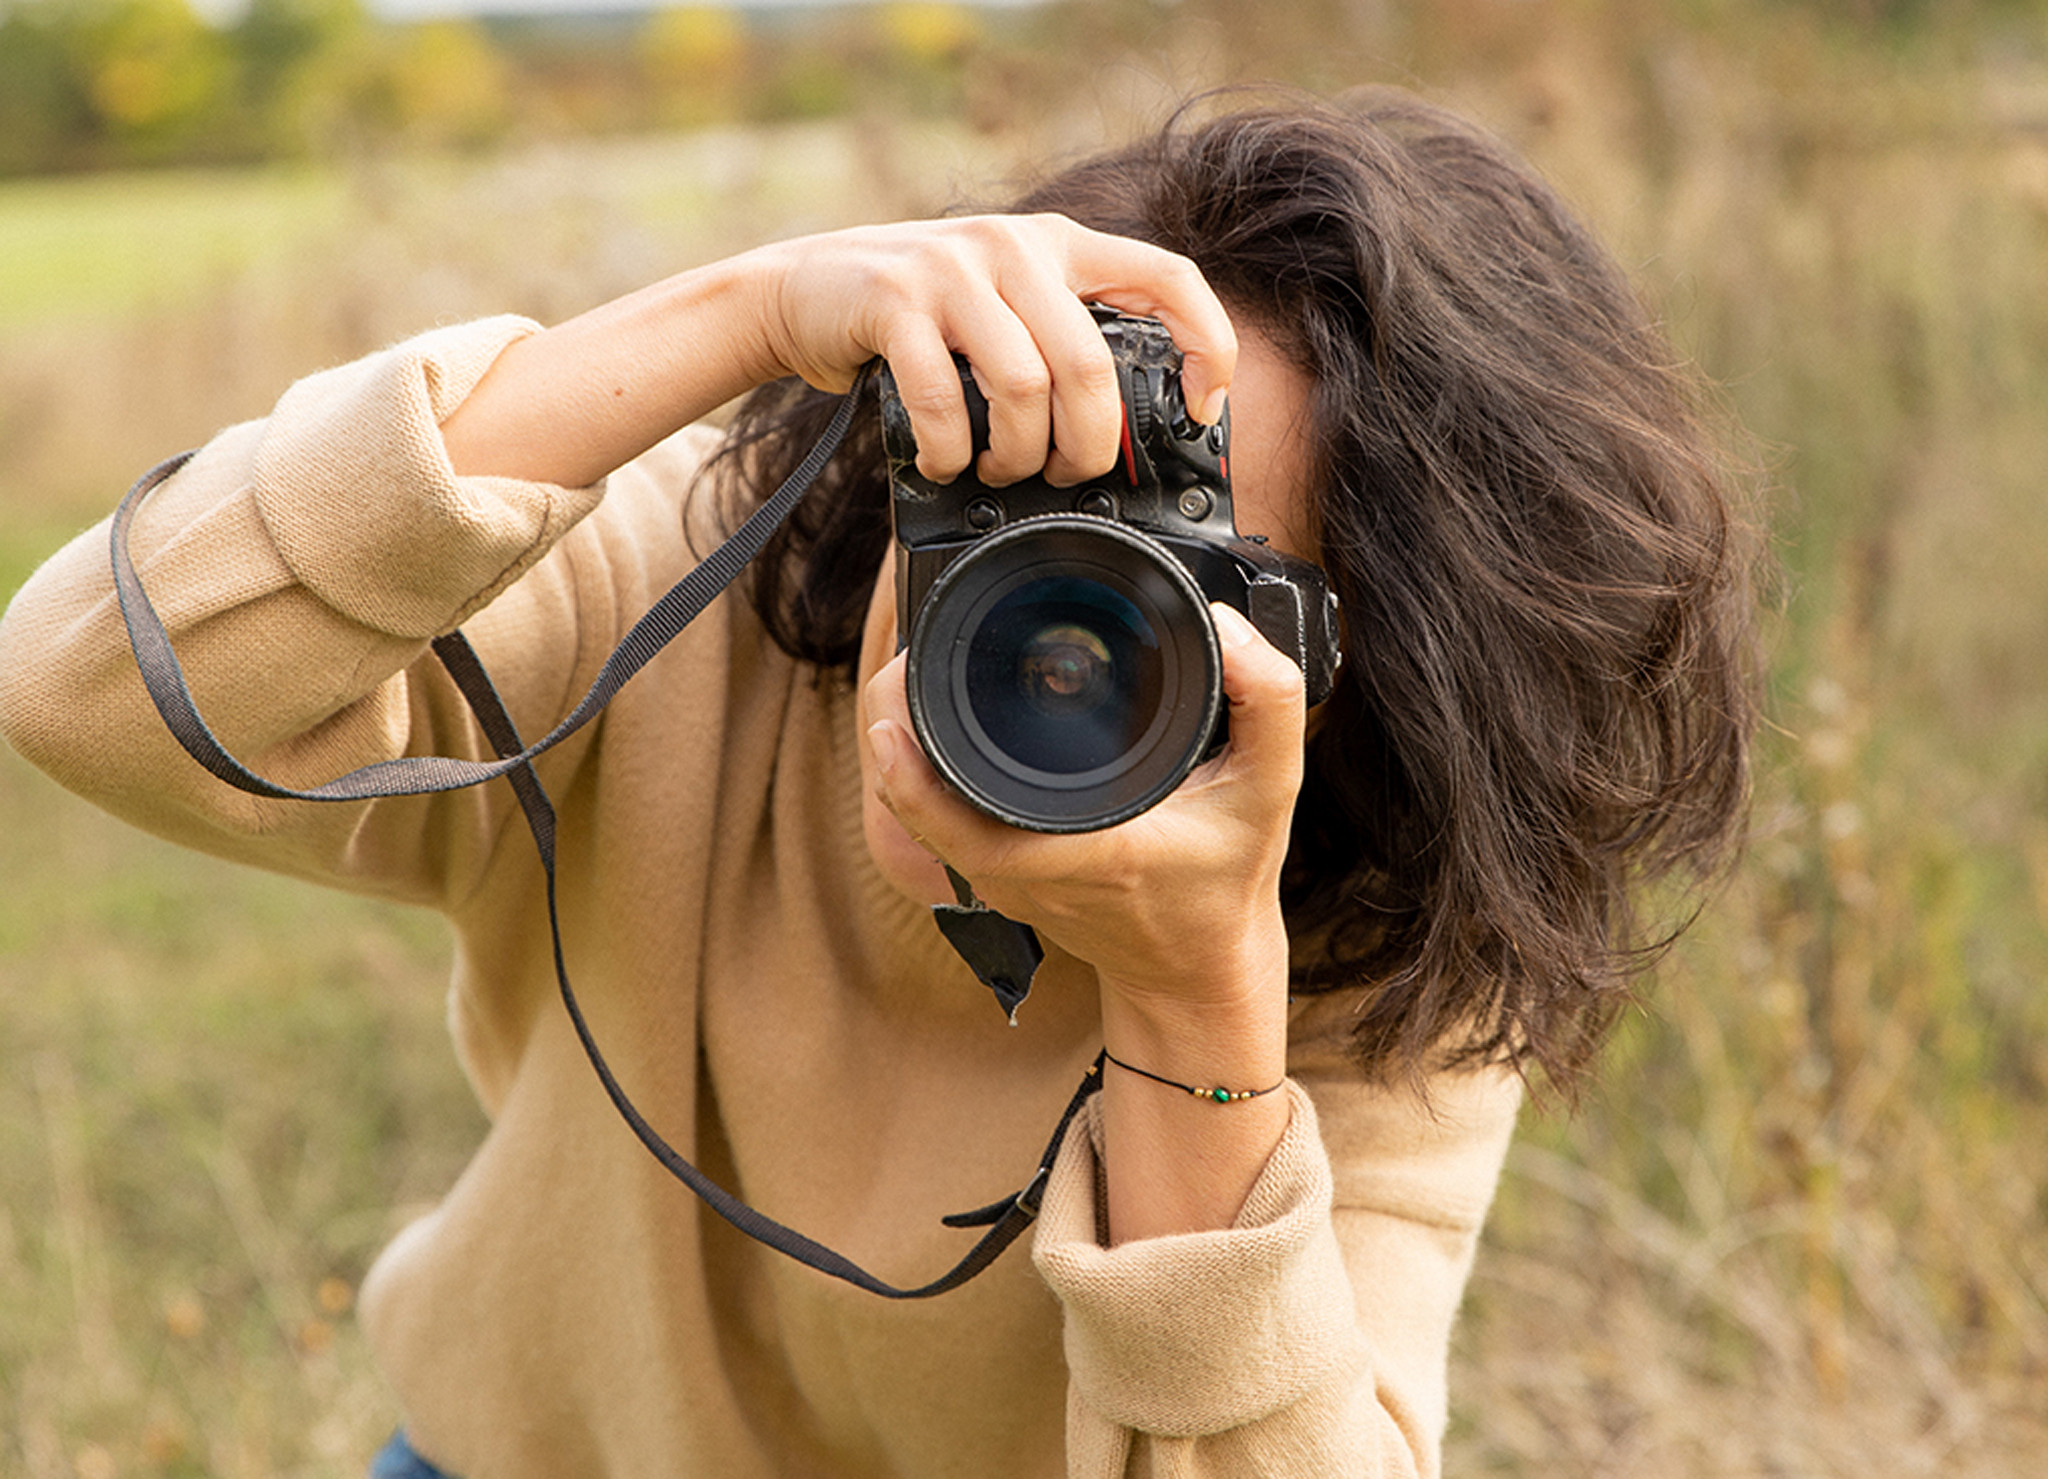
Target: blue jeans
{"type": "Point", "coordinates": [398, 1461]}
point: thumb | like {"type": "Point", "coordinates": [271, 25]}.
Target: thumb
{"type": "Point", "coordinates": [1264, 691]}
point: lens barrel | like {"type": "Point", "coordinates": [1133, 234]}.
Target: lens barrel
{"type": "Point", "coordinates": [1064, 673]}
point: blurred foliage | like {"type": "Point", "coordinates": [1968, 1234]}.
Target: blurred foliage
{"type": "Point", "coordinates": [88, 84]}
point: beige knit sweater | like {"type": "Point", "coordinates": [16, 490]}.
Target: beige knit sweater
{"type": "Point", "coordinates": [783, 1017]}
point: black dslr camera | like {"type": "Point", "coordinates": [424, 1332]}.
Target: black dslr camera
{"type": "Point", "coordinates": [1064, 673]}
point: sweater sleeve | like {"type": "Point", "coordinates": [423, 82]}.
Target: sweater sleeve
{"type": "Point", "coordinates": [1312, 1337]}
{"type": "Point", "coordinates": [301, 564]}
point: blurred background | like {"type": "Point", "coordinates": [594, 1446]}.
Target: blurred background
{"type": "Point", "coordinates": [1798, 1229]}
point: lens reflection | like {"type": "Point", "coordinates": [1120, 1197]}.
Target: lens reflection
{"type": "Point", "coordinates": [1065, 670]}
{"type": "Point", "coordinates": [1064, 675]}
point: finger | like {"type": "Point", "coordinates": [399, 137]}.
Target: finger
{"type": "Point", "coordinates": [1086, 410]}
{"type": "Point", "coordinates": [897, 765]}
{"type": "Point", "coordinates": [905, 781]}
{"type": "Point", "coordinates": [1209, 351]}
{"type": "Point", "coordinates": [1015, 380]}
{"type": "Point", "coordinates": [887, 695]}
{"type": "Point", "coordinates": [928, 382]}
{"type": "Point", "coordinates": [1139, 278]}
{"type": "Point", "coordinates": [1268, 708]}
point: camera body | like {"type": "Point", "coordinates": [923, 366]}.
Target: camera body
{"type": "Point", "coordinates": [1064, 673]}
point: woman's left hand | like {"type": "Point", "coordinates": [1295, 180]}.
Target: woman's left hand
{"type": "Point", "coordinates": [1178, 911]}
{"type": "Point", "coordinates": [1177, 908]}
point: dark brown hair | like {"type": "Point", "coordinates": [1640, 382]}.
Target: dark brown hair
{"type": "Point", "coordinates": [1547, 696]}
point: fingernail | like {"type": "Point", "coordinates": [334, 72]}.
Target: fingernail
{"type": "Point", "coordinates": [884, 741]}
{"type": "Point", "coordinates": [1232, 630]}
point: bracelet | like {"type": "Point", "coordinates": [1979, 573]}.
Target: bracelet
{"type": "Point", "coordinates": [1219, 1096]}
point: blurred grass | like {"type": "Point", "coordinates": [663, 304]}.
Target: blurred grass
{"type": "Point", "coordinates": [217, 1092]}
{"type": "Point", "coordinates": [1799, 1230]}
{"type": "Point", "coordinates": [93, 246]}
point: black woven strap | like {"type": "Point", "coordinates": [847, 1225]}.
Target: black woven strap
{"type": "Point", "coordinates": [422, 774]}
{"type": "Point", "coordinates": [419, 775]}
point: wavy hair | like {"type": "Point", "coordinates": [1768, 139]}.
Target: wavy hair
{"type": "Point", "coordinates": [1533, 527]}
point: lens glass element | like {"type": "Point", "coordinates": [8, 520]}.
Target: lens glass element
{"type": "Point", "coordinates": [1065, 670]}
{"type": "Point", "coordinates": [1064, 674]}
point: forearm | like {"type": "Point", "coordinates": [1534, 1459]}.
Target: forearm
{"type": "Point", "coordinates": [571, 404]}
{"type": "Point", "coordinates": [1178, 1163]}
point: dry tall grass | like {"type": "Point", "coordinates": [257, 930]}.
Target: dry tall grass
{"type": "Point", "coordinates": [1799, 1229]}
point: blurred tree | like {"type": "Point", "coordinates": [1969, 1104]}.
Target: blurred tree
{"type": "Point", "coordinates": [303, 68]}
{"type": "Point", "coordinates": [96, 81]}
{"type": "Point", "coordinates": [929, 32]}
{"type": "Point", "coordinates": [695, 60]}
{"type": "Point", "coordinates": [158, 77]}
{"type": "Point", "coordinates": [813, 76]}
{"type": "Point", "coordinates": [925, 48]}
{"type": "Point", "coordinates": [445, 83]}
{"type": "Point", "coordinates": [46, 114]}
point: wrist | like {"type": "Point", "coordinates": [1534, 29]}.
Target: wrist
{"type": "Point", "coordinates": [1191, 1111]}
{"type": "Point", "coordinates": [1224, 1024]}
{"type": "Point", "coordinates": [752, 289]}
{"type": "Point", "coordinates": [1208, 980]}
{"type": "Point", "coordinates": [1239, 1047]}
{"type": "Point", "coordinates": [1202, 1093]}
{"type": "Point", "coordinates": [719, 322]}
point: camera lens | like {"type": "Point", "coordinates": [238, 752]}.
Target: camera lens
{"type": "Point", "coordinates": [1065, 670]}
{"type": "Point", "coordinates": [1064, 673]}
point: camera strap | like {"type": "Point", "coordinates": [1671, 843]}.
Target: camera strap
{"type": "Point", "coordinates": [1003, 954]}
{"type": "Point", "coordinates": [164, 677]}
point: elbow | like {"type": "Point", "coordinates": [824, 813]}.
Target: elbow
{"type": "Point", "coordinates": [32, 692]}
{"type": "Point", "coordinates": [60, 650]}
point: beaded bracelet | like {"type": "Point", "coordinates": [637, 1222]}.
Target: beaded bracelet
{"type": "Point", "coordinates": [1219, 1096]}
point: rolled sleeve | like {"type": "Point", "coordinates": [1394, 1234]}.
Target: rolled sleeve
{"type": "Point", "coordinates": [353, 483]}
{"type": "Point", "coordinates": [1202, 1332]}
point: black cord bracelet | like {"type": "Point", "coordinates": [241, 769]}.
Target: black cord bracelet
{"type": "Point", "coordinates": [1218, 1096]}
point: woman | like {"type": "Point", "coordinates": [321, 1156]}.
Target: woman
{"type": "Point", "coordinates": [1377, 917]}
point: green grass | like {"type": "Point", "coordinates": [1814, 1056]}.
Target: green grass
{"type": "Point", "coordinates": [103, 247]}
{"type": "Point", "coordinates": [218, 1093]}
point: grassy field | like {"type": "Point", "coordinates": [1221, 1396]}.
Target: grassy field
{"type": "Point", "coordinates": [97, 247]}
{"type": "Point", "coordinates": [1798, 1230]}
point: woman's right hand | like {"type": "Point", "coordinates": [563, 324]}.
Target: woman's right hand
{"type": "Point", "coordinates": [1009, 292]}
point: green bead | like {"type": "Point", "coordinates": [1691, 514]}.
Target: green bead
{"type": "Point", "coordinates": [1221, 1096]}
